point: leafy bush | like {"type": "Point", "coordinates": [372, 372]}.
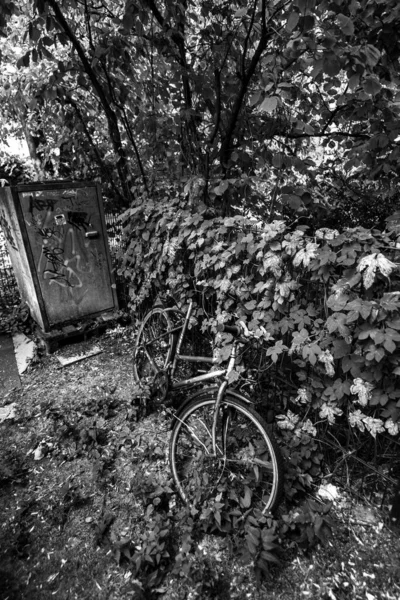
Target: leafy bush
{"type": "Point", "coordinates": [322, 305]}
{"type": "Point", "coordinates": [15, 170]}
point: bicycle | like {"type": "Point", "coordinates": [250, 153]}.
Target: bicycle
{"type": "Point", "coordinates": [220, 447]}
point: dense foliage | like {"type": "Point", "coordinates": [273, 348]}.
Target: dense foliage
{"type": "Point", "coordinates": [323, 309]}
{"type": "Point", "coordinates": [243, 138]}
{"type": "Point", "coordinates": [271, 106]}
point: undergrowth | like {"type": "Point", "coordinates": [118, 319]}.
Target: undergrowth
{"type": "Point", "coordinates": [322, 307]}
{"type": "Point", "coordinates": [85, 478]}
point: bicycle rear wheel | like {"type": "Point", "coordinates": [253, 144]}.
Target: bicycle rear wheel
{"type": "Point", "coordinates": [248, 468]}
{"type": "Point", "coordinates": [153, 347]}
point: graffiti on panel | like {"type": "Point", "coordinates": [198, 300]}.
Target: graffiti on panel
{"type": "Point", "coordinates": [41, 204]}
{"type": "Point", "coordinates": [60, 224]}
{"type": "Point", "coordinates": [7, 231]}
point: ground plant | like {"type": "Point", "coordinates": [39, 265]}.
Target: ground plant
{"type": "Point", "coordinates": [89, 509]}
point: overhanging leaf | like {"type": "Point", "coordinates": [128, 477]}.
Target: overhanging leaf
{"type": "Point", "coordinates": [292, 21]}
{"type": "Point", "coordinates": [292, 200]}
{"type": "Point", "coordinates": [372, 55]}
{"type": "Point", "coordinates": [221, 188]}
{"type": "Point", "coordinates": [345, 24]}
{"type": "Point", "coordinates": [240, 13]}
{"type": "Point", "coordinates": [331, 64]}
{"type": "Point", "coordinates": [372, 86]}
{"type": "Point", "coordinates": [269, 104]}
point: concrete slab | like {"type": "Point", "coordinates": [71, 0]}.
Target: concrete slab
{"type": "Point", "coordinates": [24, 351]}
{"type": "Point", "coordinates": [9, 376]}
{"type": "Point", "coordinates": [73, 359]}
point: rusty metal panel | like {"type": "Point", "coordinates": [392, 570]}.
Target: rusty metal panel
{"type": "Point", "coordinates": [62, 232]}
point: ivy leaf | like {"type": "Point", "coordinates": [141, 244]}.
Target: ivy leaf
{"type": "Point", "coordinates": [241, 12]}
{"type": "Point", "coordinates": [292, 21]}
{"type": "Point", "coordinates": [233, 376]}
{"type": "Point", "coordinates": [345, 24]}
{"type": "Point", "coordinates": [269, 104]}
{"type": "Point", "coordinates": [372, 55]}
{"type": "Point", "coordinates": [394, 323]}
{"type": "Point", "coordinates": [221, 188]}
{"type": "Point", "coordinates": [372, 86]}
{"type": "Point", "coordinates": [337, 322]}
{"type": "Point", "coordinates": [367, 332]}
{"type": "Point", "coordinates": [292, 200]}
{"type": "Point", "coordinates": [250, 305]}
{"type": "Point", "coordinates": [34, 33]}
{"type": "Point", "coordinates": [337, 301]}
{"type": "Point", "coordinates": [305, 255]}
{"type": "Point", "coordinates": [372, 262]}
{"type": "Point", "coordinates": [354, 81]}
{"type": "Point", "coordinates": [254, 98]}
{"type": "Point", "coordinates": [246, 502]}
{"type": "Point", "coordinates": [393, 335]}
{"type": "Point", "coordinates": [389, 345]}
{"type": "Point", "coordinates": [276, 350]}
{"type": "Point", "coordinates": [267, 558]}
{"type": "Point", "coordinates": [341, 348]}
{"type": "Point", "coordinates": [47, 41]}
{"type": "Point", "coordinates": [277, 160]}
{"type": "Point", "coordinates": [311, 353]}
{"type": "Point", "coordinates": [331, 64]}
{"type": "Point", "coordinates": [379, 354]}
{"type": "Point", "coordinates": [352, 316]}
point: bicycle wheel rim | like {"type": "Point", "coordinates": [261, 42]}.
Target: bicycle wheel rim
{"type": "Point", "coordinates": [248, 470]}
{"type": "Point", "coordinates": [153, 346]}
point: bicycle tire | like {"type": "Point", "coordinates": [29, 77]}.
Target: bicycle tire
{"type": "Point", "coordinates": [248, 469]}
{"type": "Point", "coordinates": [153, 340]}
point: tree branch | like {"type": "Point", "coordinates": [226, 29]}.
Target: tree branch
{"type": "Point", "coordinates": [295, 136]}
{"type": "Point", "coordinates": [226, 143]}
{"type": "Point", "coordinates": [100, 160]}
{"type": "Point", "coordinates": [110, 115]}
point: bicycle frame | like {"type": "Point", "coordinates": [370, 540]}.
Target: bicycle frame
{"type": "Point", "coordinates": [201, 378]}
{"type": "Point", "coordinates": [177, 356]}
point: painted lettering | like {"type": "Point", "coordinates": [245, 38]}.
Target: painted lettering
{"type": "Point", "coordinates": [78, 219]}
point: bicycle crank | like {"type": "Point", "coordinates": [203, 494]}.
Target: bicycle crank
{"type": "Point", "coordinates": [160, 386]}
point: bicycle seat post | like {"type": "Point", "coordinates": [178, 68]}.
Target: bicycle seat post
{"type": "Point", "coordinates": [181, 336]}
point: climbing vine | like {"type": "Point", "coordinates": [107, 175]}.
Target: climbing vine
{"type": "Point", "coordinates": [322, 307]}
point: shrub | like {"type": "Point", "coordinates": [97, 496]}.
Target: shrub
{"type": "Point", "coordinates": [323, 307]}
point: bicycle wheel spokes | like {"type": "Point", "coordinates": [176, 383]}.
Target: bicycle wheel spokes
{"type": "Point", "coordinates": [193, 458]}
{"type": "Point", "coordinates": [153, 346]}
{"type": "Point", "coordinates": [249, 465]}
{"type": "Point", "coordinates": [246, 470]}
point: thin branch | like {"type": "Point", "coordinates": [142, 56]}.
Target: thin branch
{"type": "Point", "coordinates": [295, 136]}
{"type": "Point", "coordinates": [100, 160]}
{"type": "Point", "coordinates": [89, 29]}
{"type": "Point", "coordinates": [110, 115]}
{"type": "Point", "coordinates": [217, 74]}
{"type": "Point", "coordinates": [225, 146]}
{"type": "Point", "coordinates": [246, 41]}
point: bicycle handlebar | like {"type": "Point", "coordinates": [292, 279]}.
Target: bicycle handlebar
{"type": "Point", "coordinates": [233, 329]}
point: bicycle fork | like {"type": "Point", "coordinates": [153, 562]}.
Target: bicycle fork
{"type": "Point", "coordinates": [220, 396]}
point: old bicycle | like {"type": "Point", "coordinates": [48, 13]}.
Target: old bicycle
{"type": "Point", "coordinates": [220, 447]}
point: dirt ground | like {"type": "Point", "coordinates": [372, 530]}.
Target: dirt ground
{"type": "Point", "coordinates": [78, 465]}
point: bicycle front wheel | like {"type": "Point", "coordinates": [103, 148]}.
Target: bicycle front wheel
{"type": "Point", "coordinates": [247, 470]}
{"type": "Point", "coordinates": [153, 346]}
